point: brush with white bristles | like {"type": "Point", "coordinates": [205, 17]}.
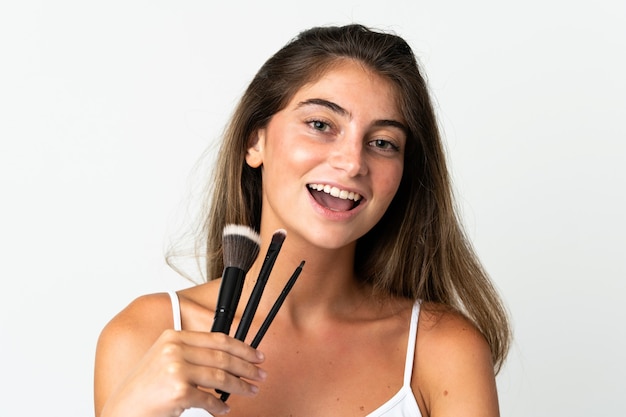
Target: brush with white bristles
{"type": "Point", "coordinates": [240, 246]}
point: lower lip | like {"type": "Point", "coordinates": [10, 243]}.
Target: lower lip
{"type": "Point", "coordinates": [335, 215]}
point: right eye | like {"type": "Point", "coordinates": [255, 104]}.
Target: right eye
{"type": "Point", "coordinates": [320, 125]}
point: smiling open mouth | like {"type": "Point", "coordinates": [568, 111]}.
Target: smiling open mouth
{"type": "Point", "coordinates": [334, 198]}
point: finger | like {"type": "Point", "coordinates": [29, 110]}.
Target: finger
{"type": "Point", "coordinates": [223, 360]}
{"type": "Point", "coordinates": [221, 342]}
{"type": "Point", "coordinates": [214, 378]}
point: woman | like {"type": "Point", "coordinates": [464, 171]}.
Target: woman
{"type": "Point", "coordinates": [335, 141]}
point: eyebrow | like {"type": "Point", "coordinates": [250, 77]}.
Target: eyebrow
{"type": "Point", "coordinates": [336, 108]}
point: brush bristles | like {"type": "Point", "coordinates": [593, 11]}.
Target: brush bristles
{"type": "Point", "coordinates": [240, 246]}
{"type": "Point", "coordinates": [279, 237]}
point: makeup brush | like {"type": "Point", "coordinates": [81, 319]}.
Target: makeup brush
{"type": "Point", "coordinates": [240, 247]}
{"type": "Point", "coordinates": [279, 302]}
{"type": "Point", "coordinates": [253, 303]}
{"type": "Point", "coordinates": [270, 317]}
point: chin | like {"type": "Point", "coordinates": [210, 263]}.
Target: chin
{"type": "Point", "coordinates": [329, 239]}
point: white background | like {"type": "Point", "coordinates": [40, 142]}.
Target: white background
{"type": "Point", "coordinates": [105, 108]}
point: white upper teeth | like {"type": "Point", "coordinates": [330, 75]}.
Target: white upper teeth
{"type": "Point", "coordinates": [335, 192]}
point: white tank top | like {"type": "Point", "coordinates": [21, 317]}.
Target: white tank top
{"type": "Point", "coordinates": [402, 404]}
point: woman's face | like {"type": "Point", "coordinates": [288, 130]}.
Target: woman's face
{"type": "Point", "coordinates": [332, 159]}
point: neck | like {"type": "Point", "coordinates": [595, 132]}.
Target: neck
{"type": "Point", "coordinates": [326, 286]}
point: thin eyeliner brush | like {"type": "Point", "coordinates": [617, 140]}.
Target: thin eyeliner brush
{"type": "Point", "coordinates": [279, 302]}
{"type": "Point", "coordinates": [240, 246]}
{"type": "Point", "coordinates": [270, 317]}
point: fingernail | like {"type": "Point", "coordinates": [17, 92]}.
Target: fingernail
{"type": "Point", "coordinates": [260, 355]}
{"type": "Point", "coordinates": [262, 374]}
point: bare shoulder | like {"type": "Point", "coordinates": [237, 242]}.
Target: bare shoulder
{"type": "Point", "coordinates": [453, 371]}
{"type": "Point", "coordinates": [444, 332]}
{"type": "Point", "coordinates": [139, 324]}
{"type": "Point", "coordinates": [126, 338]}
{"type": "Point", "coordinates": [144, 318]}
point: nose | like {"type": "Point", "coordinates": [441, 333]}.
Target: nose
{"type": "Point", "coordinates": [347, 154]}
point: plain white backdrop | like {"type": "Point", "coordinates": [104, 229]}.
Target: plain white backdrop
{"type": "Point", "coordinates": [105, 108]}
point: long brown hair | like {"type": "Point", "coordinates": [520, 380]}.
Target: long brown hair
{"type": "Point", "coordinates": [418, 249]}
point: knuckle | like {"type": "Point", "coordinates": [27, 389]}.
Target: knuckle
{"type": "Point", "coordinates": [253, 372]}
{"type": "Point", "coordinates": [171, 349]}
{"type": "Point", "coordinates": [222, 358]}
{"type": "Point", "coordinates": [215, 405]}
{"type": "Point", "coordinates": [173, 369]}
{"type": "Point", "coordinates": [169, 334]}
{"type": "Point", "coordinates": [180, 392]}
{"type": "Point", "coordinates": [220, 376]}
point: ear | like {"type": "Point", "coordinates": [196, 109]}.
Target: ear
{"type": "Point", "coordinates": [254, 154]}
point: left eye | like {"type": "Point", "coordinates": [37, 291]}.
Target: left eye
{"type": "Point", "coordinates": [384, 145]}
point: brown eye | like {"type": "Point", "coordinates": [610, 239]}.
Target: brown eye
{"type": "Point", "coordinates": [319, 125]}
{"type": "Point", "coordinates": [384, 145]}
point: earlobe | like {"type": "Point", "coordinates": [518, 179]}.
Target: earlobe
{"type": "Point", "coordinates": [254, 154]}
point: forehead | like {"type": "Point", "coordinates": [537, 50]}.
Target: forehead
{"type": "Point", "coordinates": [350, 82]}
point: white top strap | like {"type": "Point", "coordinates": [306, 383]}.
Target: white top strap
{"type": "Point", "coordinates": [175, 310]}
{"type": "Point", "coordinates": [410, 350]}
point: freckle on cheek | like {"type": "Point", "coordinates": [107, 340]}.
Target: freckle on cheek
{"type": "Point", "coordinates": [445, 393]}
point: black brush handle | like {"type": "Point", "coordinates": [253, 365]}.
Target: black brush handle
{"type": "Point", "coordinates": [257, 291]}
{"type": "Point", "coordinates": [228, 299]}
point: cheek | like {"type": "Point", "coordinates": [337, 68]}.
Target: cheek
{"type": "Point", "coordinates": [390, 180]}
{"type": "Point", "coordinates": [293, 152]}
{"type": "Point", "coordinates": [286, 164]}
{"type": "Point", "coordinates": [302, 156]}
